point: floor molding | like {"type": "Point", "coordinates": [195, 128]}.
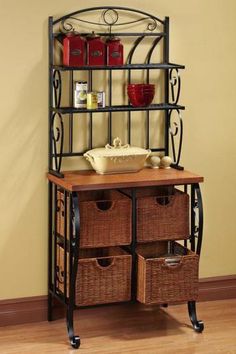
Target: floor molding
{"type": "Point", "coordinates": [34, 309]}
{"type": "Point", "coordinates": [23, 310]}
{"type": "Point", "coordinates": [217, 288]}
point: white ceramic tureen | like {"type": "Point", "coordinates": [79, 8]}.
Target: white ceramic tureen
{"type": "Point", "coordinates": [117, 158]}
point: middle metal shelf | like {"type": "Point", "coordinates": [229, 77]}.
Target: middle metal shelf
{"type": "Point", "coordinates": [118, 108]}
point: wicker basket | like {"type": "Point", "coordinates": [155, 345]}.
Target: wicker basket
{"type": "Point", "coordinates": [162, 214]}
{"type": "Point", "coordinates": [105, 218]}
{"type": "Point", "coordinates": [104, 276]}
{"type": "Point", "coordinates": [163, 279]}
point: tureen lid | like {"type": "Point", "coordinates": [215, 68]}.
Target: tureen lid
{"type": "Point", "coordinates": [117, 150]}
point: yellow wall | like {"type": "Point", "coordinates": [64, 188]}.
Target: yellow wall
{"type": "Point", "coordinates": [202, 38]}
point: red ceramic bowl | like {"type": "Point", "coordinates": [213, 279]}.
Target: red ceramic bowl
{"type": "Point", "coordinates": [141, 86]}
{"type": "Point", "coordinates": [140, 99]}
{"type": "Point", "coordinates": [141, 94]}
{"type": "Point", "coordinates": [141, 89]}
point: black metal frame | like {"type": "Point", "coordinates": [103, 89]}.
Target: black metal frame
{"type": "Point", "coordinates": [172, 131]}
{"type": "Point", "coordinates": [58, 113]}
{"type": "Point", "coordinates": [71, 255]}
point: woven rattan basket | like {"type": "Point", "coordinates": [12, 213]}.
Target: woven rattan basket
{"type": "Point", "coordinates": [162, 214]}
{"type": "Point", "coordinates": [163, 279]}
{"type": "Point", "coordinates": [104, 276]}
{"type": "Point", "coordinates": [105, 218]}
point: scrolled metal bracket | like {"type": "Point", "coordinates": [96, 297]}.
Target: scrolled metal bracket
{"type": "Point", "coordinates": [176, 133]}
{"type": "Point", "coordinates": [57, 138]}
{"type": "Point", "coordinates": [57, 88]}
{"type": "Point", "coordinates": [175, 85]}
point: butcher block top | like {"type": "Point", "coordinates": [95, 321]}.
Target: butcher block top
{"type": "Point", "coordinates": [89, 180]}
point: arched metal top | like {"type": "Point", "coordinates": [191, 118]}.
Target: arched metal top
{"type": "Point", "coordinates": [104, 8]}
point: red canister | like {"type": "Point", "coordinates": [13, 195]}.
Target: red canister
{"type": "Point", "coordinates": [114, 51]}
{"type": "Point", "coordinates": [73, 50]}
{"type": "Point", "coordinates": [95, 50]}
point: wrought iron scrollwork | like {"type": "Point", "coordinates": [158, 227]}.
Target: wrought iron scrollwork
{"type": "Point", "coordinates": [57, 88]}
{"type": "Point", "coordinates": [176, 134]}
{"type": "Point", "coordinates": [57, 137]}
{"type": "Point", "coordinates": [175, 84]}
{"type": "Point", "coordinates": [109, 17]}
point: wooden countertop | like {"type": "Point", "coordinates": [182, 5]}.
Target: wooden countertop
{"type": "Point", "coordinates": [90, 180]}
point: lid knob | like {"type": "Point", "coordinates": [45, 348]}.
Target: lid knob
{"type": "Point", "coordinates": [117, 144]}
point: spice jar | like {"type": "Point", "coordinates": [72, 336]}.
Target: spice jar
{"type": "Point", "coordinates": [92, 100]}
{"type": "Point", "coordinates": [114, 51]}
{"type": "Point", "coordinates": [80, 94]}
{"type": "Point", "coordinates": [73, 50]}
{"type": "Point", "coordinates": [95, 50]}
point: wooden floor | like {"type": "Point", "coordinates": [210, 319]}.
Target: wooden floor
{"type": "Point", "coordinates": [130, 329]}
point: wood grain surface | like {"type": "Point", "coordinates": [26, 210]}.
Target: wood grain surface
{"type": "Point", "coordinates": [34, 309]}
{"type": "Point", "coordinates": [127, 329]}
{"type": "Point", "coordinates": [89, 180]}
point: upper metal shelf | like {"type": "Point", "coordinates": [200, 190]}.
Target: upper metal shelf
{"type": "Point", "coordinates": [120, 67]}
{"type": "Point", "coordinates": [59, 36]}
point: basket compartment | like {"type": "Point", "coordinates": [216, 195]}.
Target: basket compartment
{"type": "Point", "coordinates": [161, 278]}
{"type": "Point", "coordinates": [105, 219]}
{"type": "Point", "coordinates": [104, 276]}
{"type": "Point", "coordinates": [162, 214]}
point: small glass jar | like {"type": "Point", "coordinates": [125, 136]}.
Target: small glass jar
{"type": "Point", "coordinates": [114, 51]}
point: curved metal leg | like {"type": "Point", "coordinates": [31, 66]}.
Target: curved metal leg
{"type": "Point", "coordinates": [196, 234]}
{"type": "Point", "coordinates": [198, 325]}
{"type": "Point", "coordinates": [73, 257]}
{"type": "Point", "coordinates": [196, 218]}
{"type": "Point", "coordinates": [74, 340]}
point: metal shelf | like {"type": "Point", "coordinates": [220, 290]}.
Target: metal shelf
{"type": "Point", "coordinates": [126, 108]}
{"type": "Point", "coordinates": [165, 66]}
{"type": "Point", "coordinates": [60, 36]}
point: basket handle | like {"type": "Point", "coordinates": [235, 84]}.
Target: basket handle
{"type": "Point", "coordinates": [104, 267]}
{"type": "Point", "coordinates": [168, 200]}
{"type": "Point", "coordinates": [174, 265]}
{"type": "Point", "coordinates": [104, 205]}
